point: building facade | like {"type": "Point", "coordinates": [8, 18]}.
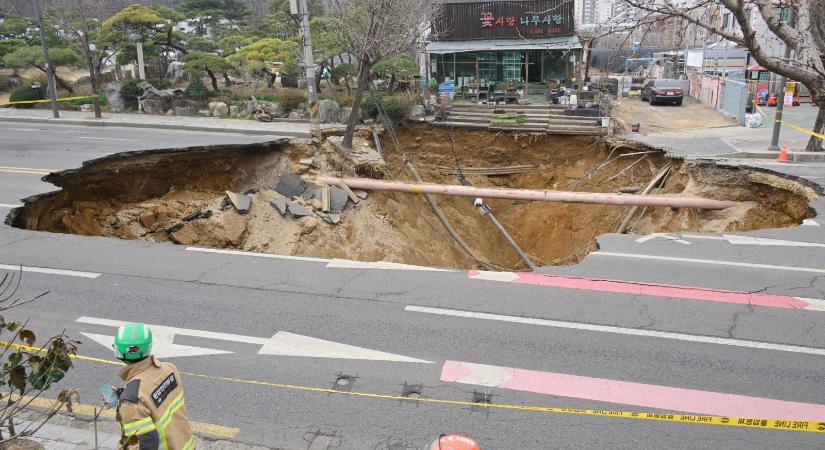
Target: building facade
{"type": "Point", "coordinates": [514, 42]}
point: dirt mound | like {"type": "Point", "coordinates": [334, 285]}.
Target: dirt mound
{"type": "Point", "coordinates": [146, 195]}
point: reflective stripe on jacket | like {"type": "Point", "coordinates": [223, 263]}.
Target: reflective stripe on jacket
{"type": "Point", "coordinates": [152, 410]}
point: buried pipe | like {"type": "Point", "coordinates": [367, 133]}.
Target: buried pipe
{"type": "Point", "coordinates": [535, 195]}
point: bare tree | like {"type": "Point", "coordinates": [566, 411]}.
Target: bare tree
{"type": "Point", "coordinates": [804, 35]}
{"type": "Point", "coordinates": [77, 22]}
{"type": "Point", "coordinates": [376, 29]}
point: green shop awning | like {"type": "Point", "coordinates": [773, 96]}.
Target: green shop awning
{"type": "Point", "coordinates": [552, 43]}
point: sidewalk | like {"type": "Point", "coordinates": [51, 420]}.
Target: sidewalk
{"type": "Point", "coordinates": [66, 432]}
{"type": "Point", "coordinates": [202, 124]}
{"type": "Point", "coordinates": [730, 142]}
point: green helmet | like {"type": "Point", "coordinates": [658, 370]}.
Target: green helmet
{"type": "Point", "coordinates": [133, 341]}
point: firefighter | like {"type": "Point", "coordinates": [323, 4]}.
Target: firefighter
{"type": "Point", "coordinates": [150, 409]}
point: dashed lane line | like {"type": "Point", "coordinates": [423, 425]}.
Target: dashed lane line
{"type": "Point", "coordinates": [49, 271]}
{"type": "Point", "coordinates": [709, 262]}
{"type": "Point", "coordinates": [762, 423]}
{"type": "Point", "coordinates": [619, 330]}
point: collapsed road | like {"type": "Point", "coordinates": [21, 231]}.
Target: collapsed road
{"type": "Point", "coordinates": [145, 195]}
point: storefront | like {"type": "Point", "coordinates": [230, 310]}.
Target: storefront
{"type": "Point", "coordinates": [505, 42]}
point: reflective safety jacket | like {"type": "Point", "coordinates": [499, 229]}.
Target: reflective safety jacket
{"type": "Point", "coordinates": [151, 412]}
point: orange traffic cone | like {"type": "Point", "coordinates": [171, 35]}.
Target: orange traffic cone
{"type": "Point", "coordinates": [454, 442]}
{"type": "Point", "coordinates": [783, 154]}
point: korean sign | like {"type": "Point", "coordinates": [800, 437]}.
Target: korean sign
{"type": "Point", "coordinates": [505, 20]}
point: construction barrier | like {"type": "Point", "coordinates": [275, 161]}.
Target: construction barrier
{"type": "Point", "coordinates": [27, 102]}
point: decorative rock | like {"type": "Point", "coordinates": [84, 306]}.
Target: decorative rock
{"type": "Point", "coordinates": [416, 111]}
{"type": "Point", "coordinates": [280, 205]}
{"type": "Point", "coordinates": [204, 113]}
{"type": "Point", "coordinates": [344, 114]}
{"type": "Point", "coordinates": [221, 110]}
{"type": "Point", "coordinates": [298, 210]}
{"type": "Point", "coordinates": [86, 108]}
{"type": "Point", "coordinates": [171, 112]}
{"type": "Point", "coordinates": [276, 110]}
{"type": "Point", "coordinates": [186, 111]}
{"type": "Point", "coordinates": [211, 107]}
{"type": "Point", "coordinates": [328, 111]}
{"type": "Point", "coordinates": [294, 115]}
{"type": "Point", "coordinates": [153, 106]}
{"type": "Point", "coordinates": [290, 185]}
{"type": "Point", "coordinates": [251, 106]}
{"type": "Point", "coordinates": [234, 110]}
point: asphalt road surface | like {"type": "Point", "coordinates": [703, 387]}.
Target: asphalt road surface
{"type": "Point", "coordinates": [303, 353]}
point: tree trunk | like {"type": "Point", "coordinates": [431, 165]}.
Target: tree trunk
{"type": "Point", "coordinates": [363, 80]}
{"type": "Point", "coordinates": [96, 99]}
{"type": "Point", "coordinates": [213, 78]}
{"type": "Point", "coordinates": [60, 82]}
{"type": "Point", "coordinates": [226, 81]}
{"type": "Point", "coordinates": [815, 144]}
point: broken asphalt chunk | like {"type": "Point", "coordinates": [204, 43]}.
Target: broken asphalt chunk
{"type": "Point", "coordinates": [241, 202]}
{"type": "Point", "coordinates": [290, 185]}
{"type": "Point", "coordinates": [299, 210]}
{"type": "Point", "coordinates": [338, 200]}
{"type": "Point", "coordinates": [280, 205]}
{"type": "Point", "coordinates": [361, 194]}
{"type": "Point", "coordinates": [312, 191]}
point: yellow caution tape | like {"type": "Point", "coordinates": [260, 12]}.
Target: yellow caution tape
{"type": "Point", "coordinates": [751, 422]}
{"type": "Point", "coordinates": [47, 100]}
{"type": "Point", "coordinates": [789, 124]}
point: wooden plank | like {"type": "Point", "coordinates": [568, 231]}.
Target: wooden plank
{"type": "Point", "coordinates": [355, 199]}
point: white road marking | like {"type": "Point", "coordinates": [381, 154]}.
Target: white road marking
{"type": "Point", "coordinates": [9, 205]}
{"type": "Point", "coordinates": [258, 255]}
{"type": "Point", "coordinates": [749, 240]}
{"type": "Point", "coordinates": [162, 345]}
{"type": "Point", "coordinates": [810, 223]}
{"type": "Point", "coordinates": [619, 330]}
{"type": "Point", "coordinates": [709, 261]}
{"type": "Point", "coordinates": [281, 344]}
{"type": "Point", "coordinates": [815, 304]}
{"type": "Point", "coordinates": [650, 237]}
{"type": "Point", "coordinates": [381, 265]}
{"type": "Point", "coordinates": [23, 129]}
{"type": "Point", "coordinates": [68, 273]}
{"type": "Point", "coordinates": [106, 139]}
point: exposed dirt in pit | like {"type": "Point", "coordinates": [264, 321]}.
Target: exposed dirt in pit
{"type": "Point", "coordinates": [138, 196]}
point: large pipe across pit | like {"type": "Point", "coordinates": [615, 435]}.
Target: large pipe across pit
{"type": "Point", "coordinates": [527, 194]}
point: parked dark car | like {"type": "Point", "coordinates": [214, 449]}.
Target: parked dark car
{"type": "Point", "coordinates": [663, 91]}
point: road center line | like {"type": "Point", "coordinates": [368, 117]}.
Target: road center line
{"type": "Point", "coordinates": [619, 330]}
{"type": "Point", "coordinates": [709, 262]}
{"type": "Point", "coordinates": [255, 254]}
{"type": "Point", "coordinates": [67, 273]}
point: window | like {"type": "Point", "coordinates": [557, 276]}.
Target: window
{"type": "Point", "coordinates": [725, 21]}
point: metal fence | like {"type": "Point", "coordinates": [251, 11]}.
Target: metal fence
{"type": "Point", "coordinates": [734, 99]}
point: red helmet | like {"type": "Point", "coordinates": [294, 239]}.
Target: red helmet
{"type": "Point", "coordinates": [454, 442]}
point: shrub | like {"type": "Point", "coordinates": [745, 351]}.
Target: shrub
{"type": "Point", "coordinates": [131, 92]}
{"type": "Point", "coordinates": [159, 83]}
{"type": "Point", "coordinates": [197, 90]}
{"type": "Point", "coordinates": [27, 93]}
{"type": "Point", "coordinates": [290, 98]}
{"type": "Point", "coordinates": [344, 70]}
{"type": "Point", "coordinates": [391, 105]}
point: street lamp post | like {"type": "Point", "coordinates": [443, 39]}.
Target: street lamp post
{"type": "Point", "coordinates": [299, 8]}
{"type": "Point", "coordinates": [49, 70]}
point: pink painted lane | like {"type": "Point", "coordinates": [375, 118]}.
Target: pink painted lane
{"type": "Point", "coordinates": [647, 289]}
{"type": "Point", "coordinates": [628, 393]}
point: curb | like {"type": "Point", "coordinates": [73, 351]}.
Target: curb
{"type": "Point", "coordinates": [800, 157]}
{"type": "Point", "coordinates": [160, 126]}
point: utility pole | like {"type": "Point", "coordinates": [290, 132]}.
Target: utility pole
{"type": "Point", "coordinates": [299, 8]}
{"type": "Point", "coordinates": [780, 97]}
{"type": "Point", "coordinates": [49, 70]}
